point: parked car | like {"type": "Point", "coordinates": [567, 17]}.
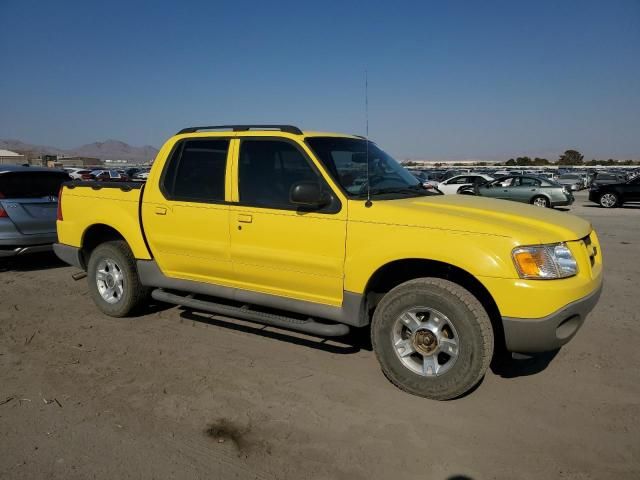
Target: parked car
{"type": "Point", "coordinates": [455, 184]}
{"type": "Point", "coordinates": [269, 226]}
{"type": "Point", "coordinates": [427, 179]}
{"type": "Point", "coordinates": [109, 176]}
{"type": "Point", "coordinates": [79, 173]}
{"type": "Point", "coordinates": [523, 188]}
{"type": "Point", "coordinates": [28, 204]}
{"type": "Point", "coordinates": [142, 175]}
{"type": "Point", "coordinates": [571, 180]}
{"type": "Point", "coordinates": [615, 194]}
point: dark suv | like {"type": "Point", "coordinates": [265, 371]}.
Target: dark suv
{"type": "Point", "coordinates": [615, 194]}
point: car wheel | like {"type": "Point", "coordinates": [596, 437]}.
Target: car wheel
{"type": "Point", "coordinates": [113, 278]}
{"type": "Point", "coordinates": [432, 338]}
{"type": "Point", "coordinates": [540, 201]}
{"type": "Point", "coordinates": [608, 200]}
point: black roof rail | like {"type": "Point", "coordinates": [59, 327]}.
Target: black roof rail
{"type": "Point", "coordinates": [244, 128]}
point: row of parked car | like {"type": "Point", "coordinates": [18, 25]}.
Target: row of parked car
{"type": "Point", "coordinates": [541, 188]}
{"type": "Point", "coordinates": [108, 175]}
{"type": "Point", "coordinates": [29, 195]}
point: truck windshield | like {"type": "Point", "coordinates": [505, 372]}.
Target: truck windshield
{"type": "Point", "coordinates": [346, 161]}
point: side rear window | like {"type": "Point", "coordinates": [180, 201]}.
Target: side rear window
{"type": "Point", "coordinates": [31, 184]}
{"type": "Point", "coordinates": [196, 171]}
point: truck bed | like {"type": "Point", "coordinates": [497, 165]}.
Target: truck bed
{"type": "Point", "coordinates": [112, 204]}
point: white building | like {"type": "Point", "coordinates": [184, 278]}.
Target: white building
{"type": "Point", "coordinates": [7, 157]}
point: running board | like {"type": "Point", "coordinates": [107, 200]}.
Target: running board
{"type": "Point", "coordinates": [306, 326]}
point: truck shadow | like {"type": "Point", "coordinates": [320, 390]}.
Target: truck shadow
{"type": "Point", "coordinates": [626, 206]}
{"type": "Point", "coordinates": [31, 262]}
{"type": "Point", "coordinates": [355, 341]}
{"type": "Point", "coordinates": [505, 366]}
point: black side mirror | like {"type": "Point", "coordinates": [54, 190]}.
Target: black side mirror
{"type": "Point", "coordinates": [309, 194]}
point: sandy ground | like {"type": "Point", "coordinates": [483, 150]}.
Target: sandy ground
{"type": "Point", "coordinates": [175, 394]}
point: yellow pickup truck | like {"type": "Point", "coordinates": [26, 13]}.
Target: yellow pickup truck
{"type": "Point", "coordinates": [322, 233]}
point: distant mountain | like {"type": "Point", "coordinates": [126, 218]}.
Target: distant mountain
{"type": "Point", "coordinates": [109, 149]}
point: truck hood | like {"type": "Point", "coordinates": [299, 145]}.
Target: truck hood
{"type": "Point", "coordinates": [525, 224]}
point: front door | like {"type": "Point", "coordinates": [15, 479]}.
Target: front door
{"type": "Point", "coordinates": [500, 188]}
{"type": "Point", "coordinates": [186, 219]}
{"type": "Point", "coordinates": [525, 189]}
{"type": "Point", "coordinates": [276, 247]}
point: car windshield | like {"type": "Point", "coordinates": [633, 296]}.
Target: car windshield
{"type": "Point", "coordinates": [569, 177]}
{"type": "Point", "coordinates": [346, 161]}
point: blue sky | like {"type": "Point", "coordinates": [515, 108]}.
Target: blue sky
{"type": "Point", "coordinates": [447, 80]}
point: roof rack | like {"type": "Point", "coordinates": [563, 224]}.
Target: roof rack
{"type": "Point", "coordinates": [244, 128]}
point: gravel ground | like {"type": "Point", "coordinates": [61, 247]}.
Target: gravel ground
{"type": "Point", "coordinates": [176, 394]}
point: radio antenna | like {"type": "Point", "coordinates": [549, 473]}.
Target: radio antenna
{"type": "Point", "coordinates": [366, 135]}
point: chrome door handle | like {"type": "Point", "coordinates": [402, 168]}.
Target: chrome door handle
{"type": "Point", "coordinates": [243, 218]}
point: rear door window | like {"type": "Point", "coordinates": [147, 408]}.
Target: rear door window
{"type": "Point", "coordinates": [196, 171]}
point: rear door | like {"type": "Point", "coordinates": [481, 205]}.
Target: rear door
{"type": "Point", "coordinates": [185, 214]}
{"type": "Point", "coordinates": [30, 199]}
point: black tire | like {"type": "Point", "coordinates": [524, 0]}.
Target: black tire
{"type": "Point", "coordinates": [134, 295]}
{"type": "Point", "coordinates": [539, 200]}
{"type": "Point", "coordinates": [609, 200]}
{"type": "Point", "coordinates": [464, 311]}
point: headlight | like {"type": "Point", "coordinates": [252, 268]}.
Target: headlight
{"type": "Point", "coordinates": [544, 262]}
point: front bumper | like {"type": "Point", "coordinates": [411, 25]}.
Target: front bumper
{"type": "Point", "coordinates": [534, 335]}
{"type": "Point", "coordinates": [569, 199]}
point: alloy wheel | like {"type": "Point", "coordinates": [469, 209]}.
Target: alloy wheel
{"type": "Point", "coordinates": [110, 280]}
{"type": "Point", "coordinates": [425, 341]}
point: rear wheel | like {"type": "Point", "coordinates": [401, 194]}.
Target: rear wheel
{"type": "Point", "coordinates": [113, 279]}
{"type": "Point", "coordinates": [432, 338]}
{"type": "Point", "coordinates": [609, 200]}
{"type": "Point", "coordinates": [540, 201]}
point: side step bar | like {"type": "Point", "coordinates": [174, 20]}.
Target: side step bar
{"type": "Point", "coordinates": [306, 326]}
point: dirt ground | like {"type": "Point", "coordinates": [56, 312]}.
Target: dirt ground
{"type": "Point", "coordinates": [176, 394]}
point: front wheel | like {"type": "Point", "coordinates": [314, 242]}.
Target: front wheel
{"type": "Point", "coordinates": [113, 279]}
{"type": "Point", "coordinates": [432, 338]}
{"type": "Point", "coordinates": [608, 200]}
{"type": "Point", "coordinates": [540, 201]}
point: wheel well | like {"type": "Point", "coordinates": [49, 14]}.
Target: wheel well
{"type": "Point", "coordinates": [94, 236]}
{"type": "Point", "coordinates": [540, 195]}
{"type": "Point", "coordinates": [394, 273]}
